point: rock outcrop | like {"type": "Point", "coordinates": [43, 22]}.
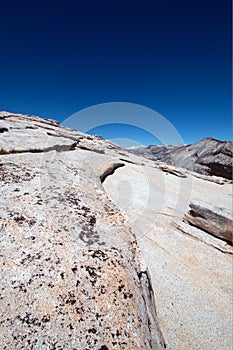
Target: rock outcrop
{"type": "Point", "coordinates": [95, 253]}
{"type": "Point", "coordinates": [216, 221]}
{"type": "Point", "coordinates": [208, 156]}
{"type": "Point", "coordinates": [71, 271]}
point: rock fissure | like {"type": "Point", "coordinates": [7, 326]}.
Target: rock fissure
{"type": "Point", "coordinates": [109, 169]}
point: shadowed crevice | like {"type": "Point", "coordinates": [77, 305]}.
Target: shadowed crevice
{"type": "Point", "coordinates": [109, 169]}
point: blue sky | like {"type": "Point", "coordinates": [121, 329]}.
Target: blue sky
{"type": "Point", "coordinates": [172, 56]}
{"type": "Point", "coordinates": [126, 135]}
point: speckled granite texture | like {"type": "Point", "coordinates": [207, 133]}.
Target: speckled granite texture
{"type": "Point", "coordinates": [70, 266]}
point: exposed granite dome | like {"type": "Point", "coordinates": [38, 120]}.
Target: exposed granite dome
{"type": "Point", "coordinates": [98, 250]}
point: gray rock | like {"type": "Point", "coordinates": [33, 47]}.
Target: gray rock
{"type": "Point", "coordinates": [207, 157]}
{"type": "Point", "coordinates": [215, 220]}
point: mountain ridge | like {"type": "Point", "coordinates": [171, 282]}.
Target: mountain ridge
{"type": "Point", "coordinates": [208, 156]}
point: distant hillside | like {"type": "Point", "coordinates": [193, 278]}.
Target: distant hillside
{"type": "Point", "coordinates": [208, 156]}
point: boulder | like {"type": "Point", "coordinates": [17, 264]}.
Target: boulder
{"type": "Point", "coordinates": [215, 220]}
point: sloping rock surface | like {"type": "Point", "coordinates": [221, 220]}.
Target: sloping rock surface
{"type": "Point", "coordinates": [72, 276]}
{"type": "Point", "coordinates": [95, 253]}
{"type": "Point", "coordinates": [208, 156]}
{"type": "Point", "coordinates": [191, 270]}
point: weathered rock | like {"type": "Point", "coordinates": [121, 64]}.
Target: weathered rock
{"type": "Point", "coordinates": [172, 170]}
{"type": "Point", "coordinates": [71, 273]}
{"type": "Point", "coordinates": [73, 276]}
{"type": "Point", "coordinates": [200, 235]}
{"type": "Point", "coordinates": [207, 157]}
{"type": "Point", "coordinates": [215, 220]}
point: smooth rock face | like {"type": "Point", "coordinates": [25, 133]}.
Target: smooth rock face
{"type": "Point", "coordinates": [217, 221]}
{"type": "Point", "coordinates": [94, 250]}
{"type": "Point", "coordinates": [191, 270]}
{"type": "Point", "coordinates": [208, 156]}
{"type": "Point", "coordinates": [72, 275]}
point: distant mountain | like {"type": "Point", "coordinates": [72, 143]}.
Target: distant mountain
{"type": "Point", "coordinates": [208, 156]}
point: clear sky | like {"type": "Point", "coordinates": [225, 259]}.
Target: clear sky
{"type": "Point", "coordinates": [58, 57]}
